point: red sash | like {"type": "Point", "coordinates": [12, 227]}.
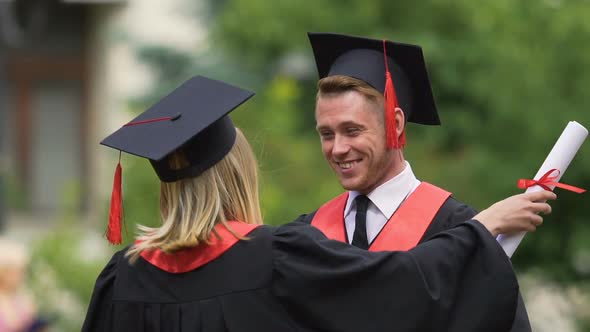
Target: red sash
{"type": "Point", "coordinates": [329, 218]}
{"type": "Point", "coordinates": [402, 231]}
{"type": "Point", "coordinates": [192, 258]}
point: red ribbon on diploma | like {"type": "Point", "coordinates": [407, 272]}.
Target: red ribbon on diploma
{"type": "Point", "coordinates": [548, 180]}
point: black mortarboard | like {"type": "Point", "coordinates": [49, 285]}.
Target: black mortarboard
{"type": "Point", "coordinates": [192, 118]}
{"type": "Point", "coordinates": [363, 58]}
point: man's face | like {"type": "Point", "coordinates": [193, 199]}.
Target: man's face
{"type": "Point", "coordinates": [353, 140]}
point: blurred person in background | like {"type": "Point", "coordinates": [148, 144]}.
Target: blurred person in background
{"type": "Point", "coordinates": [368, 90]}
{"type": "Point", "coordinates": [17, 308]}
{"type": "Point", "coordinates": [213, 266]}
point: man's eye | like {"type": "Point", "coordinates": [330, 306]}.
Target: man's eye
{"type": "Point", "coordinates": [352, 131]}
{"type": "Point", "coordinates": [326, 135]}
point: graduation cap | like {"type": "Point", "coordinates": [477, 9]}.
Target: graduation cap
{"type": "Point", "coordinates": [395, 69]}
{"type": "Point", "coordinates": [193, 118]}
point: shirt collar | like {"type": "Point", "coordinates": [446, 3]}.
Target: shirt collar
{"type": "Point", "coordinates": [388, 196]}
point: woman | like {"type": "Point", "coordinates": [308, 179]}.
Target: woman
{"type": "Point", "coordinates": [212, 266]}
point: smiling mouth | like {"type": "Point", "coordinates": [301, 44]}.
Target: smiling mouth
{"type": "Point", "coordinates": [347, 164]}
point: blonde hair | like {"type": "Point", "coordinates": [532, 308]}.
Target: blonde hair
{"type": "Point", "coordinates": [339, 84]}
{"type": "Point", "coordinates": [190, 208]}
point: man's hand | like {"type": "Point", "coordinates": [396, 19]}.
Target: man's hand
{"type": "Point", "coordinates": [516, 213]}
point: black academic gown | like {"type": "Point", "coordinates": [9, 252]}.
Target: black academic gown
{"type": "Point", "coordinates": [451, 214]}
{"type": "Point", "coordinates": [291, 278]}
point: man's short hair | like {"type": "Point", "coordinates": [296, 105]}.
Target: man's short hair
{"type": "Point", "coordinates": [339, 84]}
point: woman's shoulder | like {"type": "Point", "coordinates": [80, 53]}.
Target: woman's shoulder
{"type": "Point", "coordinates": [110, 270]}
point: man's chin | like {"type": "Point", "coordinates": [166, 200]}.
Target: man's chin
{"type": "Point", "coordinates": [348, 185]}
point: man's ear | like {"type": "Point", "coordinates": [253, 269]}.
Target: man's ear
{"type": "Point", "coordinates": [400, 121]}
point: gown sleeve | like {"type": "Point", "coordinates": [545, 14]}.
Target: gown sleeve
{"type": "Point", "coordinates": [454, 212]}
{"type": "Point", "coordinates": [451, 214]}
{"type": "Point", "coordinates": [98, 316]}
{"type": "Point", "coordinates": [329, 285]}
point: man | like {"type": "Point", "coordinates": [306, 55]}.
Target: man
{"type": "Point", "coordinates": [368, 90]}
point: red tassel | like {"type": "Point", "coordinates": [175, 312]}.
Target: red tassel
{"type": "Point", "coordinates": [114, 227]}
{"type": "Point", "coordinates": [391, 104]}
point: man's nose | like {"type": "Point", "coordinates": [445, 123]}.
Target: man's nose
{"type": "Point", "coordinates": [341, 146]}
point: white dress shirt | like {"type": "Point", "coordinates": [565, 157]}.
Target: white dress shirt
{"type": "Point", "coordinates": [385, 200]}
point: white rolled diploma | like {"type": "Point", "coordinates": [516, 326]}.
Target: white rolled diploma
{"type": "Point", "coordinates": [559, 158]}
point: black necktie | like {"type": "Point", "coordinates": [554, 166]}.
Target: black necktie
{"type": "Point", "coordinates": [359, 239]}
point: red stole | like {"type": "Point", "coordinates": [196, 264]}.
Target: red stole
{"type": "Point", "coordinates": [192, 258]}
{"type": "Point", "coordinates": [402, 231]}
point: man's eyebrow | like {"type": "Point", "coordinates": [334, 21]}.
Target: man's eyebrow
{"type": "Point", "coordinates": [342, 124]}
{"type": "Point", "coordinates": [350, 123]}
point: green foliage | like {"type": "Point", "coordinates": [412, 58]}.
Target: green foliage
{"type": "Point", "coordinates": [63, 280]}
{"type": "Point", "coordinates": [13, 193]}
{"type": "Point", "coordinates": [65, 264]}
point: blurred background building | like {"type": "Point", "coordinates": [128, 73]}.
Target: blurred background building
{"type": "Point", "coordinates": [67, 73]}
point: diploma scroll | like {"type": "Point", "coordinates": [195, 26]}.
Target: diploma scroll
{"type": "Point", "coordinates": [559, 158]}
